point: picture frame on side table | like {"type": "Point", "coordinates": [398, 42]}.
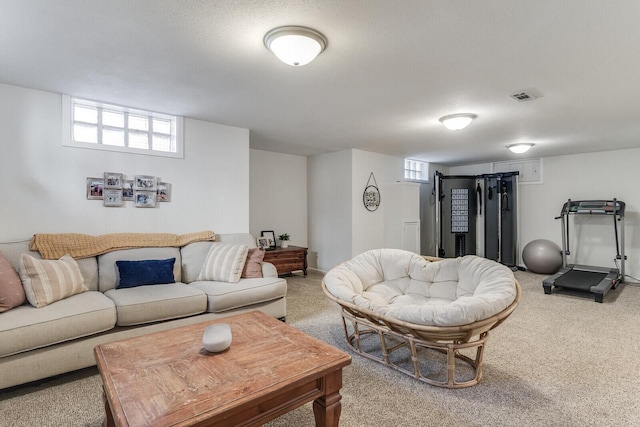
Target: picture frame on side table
{"type": "Point", "coordinates": [113, 180]}
{"type": "Point", "coordinates": [262, 243]}
{"type": "Point", "coordinates": [95, 188]}
{"type": "Point", "coordinates": [127, 190]}
{"type": "Point", "coordinates": [112, 198]}
{"type": "Point", "coordinates": [164, 192]}
{"type": "Point", "coordinates": [144, 199]}
{"type": "Point", "coordinates": [145, 182]}
{"type": "Point", "coordinates": [271, 235]}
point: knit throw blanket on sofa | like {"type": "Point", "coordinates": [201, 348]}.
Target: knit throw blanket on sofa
{"type": "Point", "coordinates": [54, 246]}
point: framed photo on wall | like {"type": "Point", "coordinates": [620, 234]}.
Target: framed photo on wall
{"type": "Point", "coordinates": [144, 199]}
{"type": "Point", "coordinates": [95, 188]}
{"type": "Point", "coordinates": [271, 235]}
{"type": "Point", "coordinates": [127, 190]}
{"type": "Point", "coordinates": [164, 192]}
{"type": "Point", "coordinates": [113, 180]}
{"type": "Point", "coordinates": [112, 198]}
{"type": "Point", "coordinates": [145, 182]}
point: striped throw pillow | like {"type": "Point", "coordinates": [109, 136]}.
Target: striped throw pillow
{"type": "Point", "coordinates": [224, 263]}
{"type": "Point", "coordinates": [47, 281]}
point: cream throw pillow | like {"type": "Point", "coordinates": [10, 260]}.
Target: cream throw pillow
{"type": "Point", "coordinates": [47, 281]}
{"type": "Point", "coordinates": [224, 263]}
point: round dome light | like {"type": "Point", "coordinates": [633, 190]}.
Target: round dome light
{"type": "Point", "coordinates": [520, 148]}
{"type": "Point", "coordinates": [457, 121]}
{"type": "Point", "coordinates": [294, 45]}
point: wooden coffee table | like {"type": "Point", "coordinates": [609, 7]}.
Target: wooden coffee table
{"type": "Point", "coordinates": [167, 378]}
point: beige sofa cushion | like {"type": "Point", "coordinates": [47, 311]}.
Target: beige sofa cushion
{"type": "Point", "coordinates": [89, 269]}
{"type": "Point", "coordinates": [193, 256]}
{"type": "Point", "coordinates": [88, 266]}
{"type": "Point", "coordinates": [153, 303]}
{"type": "Point", "coordinates": [109, 277]}
{"type": "Point", "coordinates": [47, 281]}
{"type": "Point", "coordinates": [225, 296]}
{"type": "Point", "coordinates": [26, 328]}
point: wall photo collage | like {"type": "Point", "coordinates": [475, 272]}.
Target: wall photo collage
{"type": "Point", "coordinates": [114, 189]}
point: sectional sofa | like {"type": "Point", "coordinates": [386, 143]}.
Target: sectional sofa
{"type": "Point", "coordinates": [37, 343]}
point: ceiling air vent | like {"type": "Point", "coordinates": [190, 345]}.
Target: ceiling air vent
{"type": "Point", "coordinates": [525, 95]}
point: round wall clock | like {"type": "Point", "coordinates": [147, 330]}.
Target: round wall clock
{"type": "Point", "coordinates": [371, 195]}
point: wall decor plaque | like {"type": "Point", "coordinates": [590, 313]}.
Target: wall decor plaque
{"type": "Point", "coordinates": [371, 195]}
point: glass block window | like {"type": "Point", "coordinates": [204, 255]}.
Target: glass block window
{"type": "Point", "coordinates": [415, 170]}
{"type": "Point", "coordinates": [103, 126]}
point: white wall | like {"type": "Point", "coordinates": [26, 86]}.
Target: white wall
{"type": "Point", "coordinates": [603, 175]}
{"type": "Point", "coordinates": [339, 224]}
{"type": "Point", "coordinates": [368, 227]}
{"type": "Point", "coordinates": [329, 206]}
{"type": "Point", "coordinates": [278, 195]}
{"type": "Point", "coordinates": [43, 186]}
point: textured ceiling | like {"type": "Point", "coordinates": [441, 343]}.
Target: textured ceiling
{"type": "Point", "coordinates": [390, 70]}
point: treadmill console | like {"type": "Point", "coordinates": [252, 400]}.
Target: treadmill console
{"type": "Point", "coordinates": [593, 207]}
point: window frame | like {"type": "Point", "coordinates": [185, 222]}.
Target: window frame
{"type": "Point", "coordinates": [423, 169]}
{"type": "Point", "coordinates": [68, 103]}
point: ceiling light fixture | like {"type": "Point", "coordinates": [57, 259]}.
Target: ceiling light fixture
{"type": "Point", "coordinates": [457, 121]}
{"type": "Point", "coordinates": [294, 45]}
{"type": "Point", "coordinates": [520, 148]}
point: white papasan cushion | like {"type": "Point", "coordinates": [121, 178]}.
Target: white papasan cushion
{"type": "Point", "coordinates": [403, 285]}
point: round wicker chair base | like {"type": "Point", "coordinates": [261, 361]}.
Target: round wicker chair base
{"type": "Point", "coordinates": [409, 347]}
{"type": "Point", "coordinates": [357, 328]}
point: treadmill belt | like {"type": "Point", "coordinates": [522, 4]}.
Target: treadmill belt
{"type": "Point", "coordinates": [582, 280]}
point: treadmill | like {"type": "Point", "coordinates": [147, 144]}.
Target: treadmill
{"type": "Point", "coordinates": [596, 280]}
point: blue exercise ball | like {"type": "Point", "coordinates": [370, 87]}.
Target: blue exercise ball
{"type": "Point", "coordinates": [542, 256]}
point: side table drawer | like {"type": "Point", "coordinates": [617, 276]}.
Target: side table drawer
{"type": "Point", "coordinates": [292, 258]}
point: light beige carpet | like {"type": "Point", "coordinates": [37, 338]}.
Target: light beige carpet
{"type": "Point", "coordinates": [559, 360]}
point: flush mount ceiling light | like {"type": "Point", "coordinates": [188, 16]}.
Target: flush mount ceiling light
{"type": "Point", "coordinates": [295, 46]}
{"type": "Point", "coordinates": [457, 121]}
{"type": "Point", "coordinates": [520, 148]}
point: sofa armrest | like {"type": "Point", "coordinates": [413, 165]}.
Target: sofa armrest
{"type": "Point", "coordinates": [269, 270]}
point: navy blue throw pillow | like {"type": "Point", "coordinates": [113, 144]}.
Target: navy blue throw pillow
{"type": "Point", "coordinates": [147, 272]}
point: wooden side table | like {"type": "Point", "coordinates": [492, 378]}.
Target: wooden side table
{"type": "Point", "coordinates": [289, 259]}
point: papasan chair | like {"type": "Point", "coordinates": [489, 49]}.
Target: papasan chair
{"type": "Point", "coordinates": [426, 312]}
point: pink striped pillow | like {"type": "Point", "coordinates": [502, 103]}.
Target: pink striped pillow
{"type": "Point", "coordinates": [224, 263]}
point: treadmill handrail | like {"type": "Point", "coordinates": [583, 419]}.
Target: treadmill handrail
{"type": "Point", "coordinates": [594, 207]}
